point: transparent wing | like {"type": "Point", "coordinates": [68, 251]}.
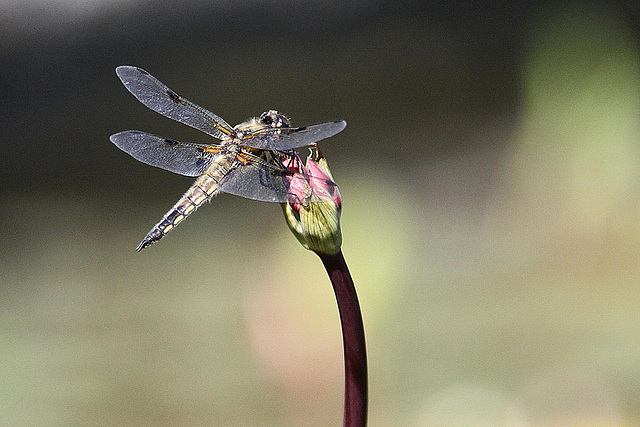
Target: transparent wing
{"type": "Point", "coordinates": [157, 96]}
{"type": "Point", "coordinates": [185, 158]}
{"type": "Point", "coordinates": [287, 138]}
{"type": "Point", "coordinates": [268, 183]}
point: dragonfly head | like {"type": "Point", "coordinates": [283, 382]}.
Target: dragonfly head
{"type": "Point", "coordinates": [273, 119]}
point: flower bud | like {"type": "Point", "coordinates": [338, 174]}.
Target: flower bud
{"type": "Point", "coordinates": [313, 211]}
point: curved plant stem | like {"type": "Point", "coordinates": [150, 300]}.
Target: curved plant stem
{"type": "Point", "coordinates": [355, 352]}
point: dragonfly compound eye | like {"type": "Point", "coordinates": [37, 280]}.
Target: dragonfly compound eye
{"type": "Point", "coordinates": [266, 118]}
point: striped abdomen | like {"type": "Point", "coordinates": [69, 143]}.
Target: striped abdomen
{"type": "Point", "coordinates": [205, 187]}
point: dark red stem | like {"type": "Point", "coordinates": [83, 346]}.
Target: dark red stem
{"type": "Point", "coordinates": [355, 352]}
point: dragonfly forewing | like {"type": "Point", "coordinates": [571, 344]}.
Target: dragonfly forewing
{"type": "Point", "coordinates": [288, 138]}
{"type": "Point", "coordinates": [158, 97]}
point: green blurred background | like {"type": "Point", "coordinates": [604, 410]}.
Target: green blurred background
{"type": "Point", "coordinates": [491, 182]}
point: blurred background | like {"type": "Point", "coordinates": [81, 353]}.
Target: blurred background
{"type": "Point", "coordinates": [491, 182]}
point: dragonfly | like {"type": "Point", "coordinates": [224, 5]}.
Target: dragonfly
{"type": "Point", "coordinates": [253, 159]}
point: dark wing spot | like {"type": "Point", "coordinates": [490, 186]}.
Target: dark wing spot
{"type": "Point", "coordinates": [200, 162]}
{"type": "Point", "coordinates": [301, 128]}
{"type": "Point", "coordinates": [174, 96]}
{"type": "Point", "coordinates": [170, 142]}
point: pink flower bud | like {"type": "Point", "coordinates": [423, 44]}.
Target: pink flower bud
{"type": "Point", "coordinates": [313, 211]}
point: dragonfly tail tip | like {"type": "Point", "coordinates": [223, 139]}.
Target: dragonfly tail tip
{"type": "Point", "coordinates": [142, 245]}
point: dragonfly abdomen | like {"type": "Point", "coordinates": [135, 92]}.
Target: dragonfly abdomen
{"type": "Point", "coordinates": [205, 187]}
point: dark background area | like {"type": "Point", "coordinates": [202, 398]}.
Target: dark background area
{"type": "Point", "coordinates": [490, 174]}
{"type": "Point", "coordinates": [387, 64]}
